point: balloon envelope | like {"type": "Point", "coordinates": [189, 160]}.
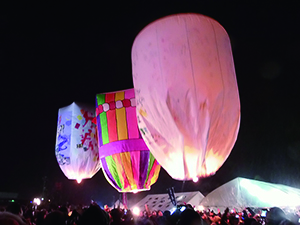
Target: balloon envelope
{"type": "Point", "coordinates": [126, 161]}
{"type": "Point", "coordinates": [76, 147]}
{"type": "Point", "coordinates": [187, 96]}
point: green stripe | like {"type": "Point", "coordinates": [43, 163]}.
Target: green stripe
{"type": "Point", "coordinates": [113, 170]}
{"type": "Point", "coordinates": [104, 128]}
{"type": "Point", "coordinates": [100, 98]}
{"type": "Point", "coordinates": [151, 162]}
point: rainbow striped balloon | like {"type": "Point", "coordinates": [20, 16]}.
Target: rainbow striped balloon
{"type": "Point", "coordinates": [126, 160]}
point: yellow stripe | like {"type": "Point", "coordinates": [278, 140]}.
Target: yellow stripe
{"type": "Point", "coordinates": [155, 175]}
{"type": "Point", "coordinates": [121, 124]}
{"type": "Point", "coordinates": [126, 161]}
{"type": "Point", "coordinates": [119, 96]}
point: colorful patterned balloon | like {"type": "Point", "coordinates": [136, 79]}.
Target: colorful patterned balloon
{"type": "Point", "coordinates": [76, 146]}
{"type": "Point", "coordinates": [126, 161]}
{"type": "Point", "coordinates": [187, 96]}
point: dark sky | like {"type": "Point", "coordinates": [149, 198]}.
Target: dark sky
{"type": "Point", "coordinates": [54, 54]}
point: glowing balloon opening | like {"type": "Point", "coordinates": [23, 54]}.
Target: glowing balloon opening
{"type": "Point", "coordinates": [79, 180]}
{"type": "Point", "coordinates": [136, 211]}
{"type": "Point", "coordinates": [195, 179]}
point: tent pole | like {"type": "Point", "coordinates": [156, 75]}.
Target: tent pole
{"type": "Point", "coordinates": [124, 200]}
{"type": "Point", "coordinates": [182, 187]}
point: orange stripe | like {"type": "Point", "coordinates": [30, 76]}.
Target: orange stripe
{"type": "Point", "coordinates": [126, 161]}
{"type": "Point", "coordinates": [153, 174]}
{"type": "Point", "coordinates": [121, 173]}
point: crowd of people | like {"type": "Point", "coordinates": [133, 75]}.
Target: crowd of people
{"type": "Point", "coordinates": [15, 214]}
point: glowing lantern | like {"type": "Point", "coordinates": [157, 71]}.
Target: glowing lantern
{"type": "Point", "coordinates": [188, 105]}
{"type": "Point", "coordinates": [126, 160]}
{"type": "Point", "coordinates": [76, 147]}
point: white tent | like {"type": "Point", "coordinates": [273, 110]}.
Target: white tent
{"type": "Point", "coordinates": [240, 193]}
{"type": "Point", "coordinates": [162, 201]}
{"type": "Point", "coordinates": [118, 204]}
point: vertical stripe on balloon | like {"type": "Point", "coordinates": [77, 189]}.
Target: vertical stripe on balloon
{"type": "Point", "coordinates": [121, 118]}
{"type": "Point", "coordinates": [109, 97]}
{"type": "Point", "coordinates": [156, 172]}
{"type": "Point", "coordinates": [129, 93]}
{"type": "Point", "coordinates": [99, 132]}
{"type": "Point", "coordinates": [152, 177]}
{"type": "Point", "coordinates": [104, 133]}
{"type": "Point", "coordinates": [151, 162]}
{"type": "Point", "coordinates": [126, 162]}
{"type": "Point", "coordinates": [144, 162]}
{"type": "Point", "coordinates": [120, 170]}
{"type": "Point", "coordinates": [112, 125]}
{"type": "Point", "coordinates": [135, 164]}
{"type": "Point", "coordinates": [112, 166]}
{"type": "Point", "coordinates": [100, 99]}
{"type": "Point", "coordinates": [133, 131]}
{"type": "Point", "coordinates": [103, 122]}
{"type": "Point", "coordinates": [108, 174]}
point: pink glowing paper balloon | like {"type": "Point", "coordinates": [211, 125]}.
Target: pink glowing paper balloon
{"type": "Point", "coordinates": [188, 104]}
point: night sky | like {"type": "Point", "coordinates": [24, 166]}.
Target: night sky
{"type": "Point", "coordinates": [54, 54]}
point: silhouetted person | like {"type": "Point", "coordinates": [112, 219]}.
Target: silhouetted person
{"type": "Point", "coordinates": [275, 216]}
{"type": "Point", "coordinates": [55, 218]}
{"type": "Point", "coordinates": [190, 217]}
{"type": "Point", "coordinates": [94, 215]}
{"type": "Point", "coordinates": [8, 218]}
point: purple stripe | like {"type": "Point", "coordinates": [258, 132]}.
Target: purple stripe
{"type": "Point", "coordinates": [100, 141]}
{"type": "Point", "coordinates": [107, 172]}
{"type": "Point", "coordinates": [144, 161]}
{"type": "Point", "coordinates": [122, 146]}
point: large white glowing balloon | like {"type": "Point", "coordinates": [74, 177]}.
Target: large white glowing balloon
{"type": "Point", "coordinates": [76, 146]}
{"type": "Point", "coordinates": [188, 105]}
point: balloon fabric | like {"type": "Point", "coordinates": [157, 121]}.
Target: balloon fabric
{"type": "Point", "coordinates": [187, 96]}
{"type": "Point", "coordinates": [126, 160]}
{"type": "Point", "coordinates": [76, 146]}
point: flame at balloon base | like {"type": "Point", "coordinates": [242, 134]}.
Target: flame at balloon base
{"type": "Point", "coordinates": [195, 179]}
{"type": "Point", "coordinates": [193, 172]}
{"type": "Point", "coordinates": [78, 180]}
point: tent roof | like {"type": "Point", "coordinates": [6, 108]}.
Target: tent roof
{"type": "Point", "coordinates": [162, 201]}
{"type": "Point", "coordinates": [242, 192]}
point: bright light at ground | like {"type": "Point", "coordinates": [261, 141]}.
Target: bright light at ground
{"type": "Point", "coordinates": [136, 211]}
{"type": "Point", "coordinates": [37, 201]}
{"type": "Point", "coordinates": [200, 208]}
{"type": "Point", "coordinates": [79, 180]}
{"type": "Point", "coordinates": [173, 210]}
{"type": "Point", "coordinates": [195, 179]}
{"type": "Point", "coordinates": [182, 208]}
{"type": "Point", "coordinates": [135, 191]}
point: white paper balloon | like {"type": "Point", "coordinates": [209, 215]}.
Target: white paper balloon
{"type": "Point", "coordinates": [188, 105]}
{"type": "Point", "coordinates": [76, 146]}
